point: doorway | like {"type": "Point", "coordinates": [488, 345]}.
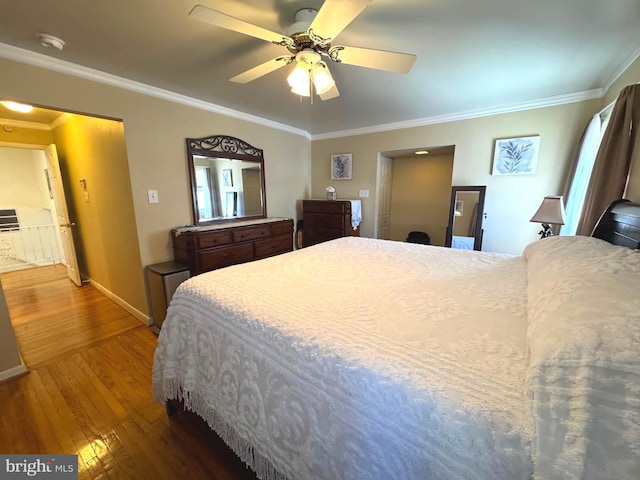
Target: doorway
{"type": "Point", "coordinates": [29, 238]}
{"type": "Point", "coordinates": [413, 193]}
{"type": "Point", "coordinates": [97, 186]}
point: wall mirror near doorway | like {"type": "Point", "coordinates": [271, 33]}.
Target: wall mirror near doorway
{"type": "Point", "coordinates": [466, 213]}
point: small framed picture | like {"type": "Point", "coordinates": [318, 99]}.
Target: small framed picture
{"type": "Point", "coordinates": [227, 178]}
{"type": "Point", "coordinates": [516, 156]}
{"type": "Point", "coordinates": [341, 166]}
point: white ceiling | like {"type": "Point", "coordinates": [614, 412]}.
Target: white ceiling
{"type": "Point", "coordinates": [472, 55]}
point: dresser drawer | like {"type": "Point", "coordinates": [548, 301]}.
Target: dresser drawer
{"type": "Point", "coordinates": [224, 256]}
{"type": "Point", "coordinates": [229, 244]}
{"type": "Point", "coordinates": [328, 206]}
{"type": "Point", "coordinates": [322, 220]}
{"type": "Point", "coordinates": [282, 227]}
{"type": "Point", "coordinates": [273, 246]}
{"type": "Point", "coordinates": [212, 239]}
{"type": "Point", "coordinates": [318, 235]}
{"type": "Point", "coordinates": [250, 233]}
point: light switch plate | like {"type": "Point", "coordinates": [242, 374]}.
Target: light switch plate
{"type": "Point", "coordinates": [364, 194]}
{"type": "Point", "coordinates": [153, 196]}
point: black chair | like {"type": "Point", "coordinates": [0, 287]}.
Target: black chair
{"type": "Point", "coordinates": [419, 237]}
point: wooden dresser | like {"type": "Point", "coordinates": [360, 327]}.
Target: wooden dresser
{"type": "Point", "coordinates": [325, 220]}
{"type": "Point", "coordinates": [209, 248]}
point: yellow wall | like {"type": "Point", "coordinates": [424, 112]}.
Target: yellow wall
{"type": "Point", "coordinates": [420, 195]}
{"type": "Point", "coordinates": [94, 149]}
{"type": "Point", "coordinates": [26, 136]}
{"type": "Point", "coordinates": [510, 200]}
{"type": "Point", "coordinates": [155, 130]}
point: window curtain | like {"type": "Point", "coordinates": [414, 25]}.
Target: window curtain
{"type": "Point", "coordinates": [576, 188]}
{"type": "Point", "coordinates": [619, 146]}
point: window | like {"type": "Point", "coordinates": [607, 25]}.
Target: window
{"type": "Point", "coordinates": [586, 159]}
{"type": "Point", "coordinates": [8, 220]}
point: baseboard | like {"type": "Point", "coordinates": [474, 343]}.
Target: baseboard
{"type": "Point", "coordinates": [13, 372]}
{"type": "Point", "coordinates": [129, 308]}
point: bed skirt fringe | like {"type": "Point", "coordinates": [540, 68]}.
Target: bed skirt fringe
{"type": "Point", "coordinates": [173, 390]}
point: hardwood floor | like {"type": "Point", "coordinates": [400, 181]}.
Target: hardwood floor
{"type": "Point", "coordinates": [89, 389]}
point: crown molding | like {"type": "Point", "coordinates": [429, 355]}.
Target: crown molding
{"type": "Point", "coordinates": [623, 68]}
{"type": "Point", "coordinates": [28, 57]}
{"type": "Point", "coordinates": [23, 124]}
{"type": "Point", "coordinates": [38, 60]}
{"type": "Point", "coordinates": [61, 120]}
{"type": "Point", "coordinates": [37, 125]}
{"type": "Point", "coordinates": [455, 117]}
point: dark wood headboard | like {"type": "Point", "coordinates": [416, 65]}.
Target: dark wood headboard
{"type": "Point", "coordinates": [620, 224]}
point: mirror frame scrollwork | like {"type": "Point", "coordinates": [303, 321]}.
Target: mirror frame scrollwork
{"type": "Point", "coordinates": [223, 147]}
{"type": "Point", "coordinates": [478, 230]}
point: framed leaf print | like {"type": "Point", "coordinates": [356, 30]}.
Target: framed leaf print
{"type": "Point", "coordinates": [341, 166]}
{"type": "Point", "coordinates": [516, 156]}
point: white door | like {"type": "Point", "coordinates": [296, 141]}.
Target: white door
{"type": "Point", "coordinates": [383, 198]}
{"type": "Point", "coordinates": [62, 213]}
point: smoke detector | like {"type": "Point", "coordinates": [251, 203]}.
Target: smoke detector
{"type": "Point", "coordinates": [50, 41]}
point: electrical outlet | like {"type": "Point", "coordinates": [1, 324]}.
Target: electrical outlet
{"type": "Point", "coordinates": [153, 196]}
{"type": "Point", "coordinates": [364, 194]}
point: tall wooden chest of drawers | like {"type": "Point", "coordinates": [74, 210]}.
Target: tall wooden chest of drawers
{"type": "Point", "coordinates": [210, 248]}
{"type": "Point", "coordinates": [327, 219]}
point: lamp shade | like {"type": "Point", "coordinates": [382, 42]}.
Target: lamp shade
{"type": "Point", "coordinates": [322, 79]}
{"type": "Point", "coordinates": [299, 79]}
{"type": "Point", "coordinates": [551, 211]}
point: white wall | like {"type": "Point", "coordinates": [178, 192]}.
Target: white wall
{"type": "Point", "coordinates": [23, 187]}
{"type": "Point", "coordinates": [22, 182]}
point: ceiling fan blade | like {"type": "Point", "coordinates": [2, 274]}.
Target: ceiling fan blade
{"type": "Point", "coordinates": [379, 59]}
{"type": "Point", "coordinates": [219, 19]}
{"type": "Point", "coordinates": [263, 69]}
{"type": "Point", "coordinates": [329, 94]}
{"type": "Point", "coordinates": [335, 15]}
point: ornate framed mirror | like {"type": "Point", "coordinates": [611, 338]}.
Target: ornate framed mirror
{"type": "Point", "coordinates": [227, 180]}
{"type": "Point", "coordinates": [466, 213]}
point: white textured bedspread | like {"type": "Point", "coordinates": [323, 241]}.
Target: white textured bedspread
{"type": "Point", "coordinates": [358, 359]}
{"type": "Point", "coordinates": [583, 377]}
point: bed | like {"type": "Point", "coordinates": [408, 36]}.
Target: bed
{"type": "Point", "coordinates": [369, 359]}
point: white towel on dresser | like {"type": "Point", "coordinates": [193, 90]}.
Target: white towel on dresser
{"type": "Point", "coordinates": [356, 213]}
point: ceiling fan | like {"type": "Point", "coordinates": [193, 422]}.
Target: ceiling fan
{"type": "Point", "coordinates": [308, 41]}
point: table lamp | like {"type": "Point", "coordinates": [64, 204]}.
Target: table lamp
{"type": "Point", "coordinates": [551, 212]}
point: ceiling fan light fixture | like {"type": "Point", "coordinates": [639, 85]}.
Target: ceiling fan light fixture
{"type": "Point", "coordinates": [298, 79]}
{"type": "Point", "coordinates": [322, 79]}
{"type": "Point", "coordinates": [302, 90]}
{"type": "Point", "coordinates": [308, 39]}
